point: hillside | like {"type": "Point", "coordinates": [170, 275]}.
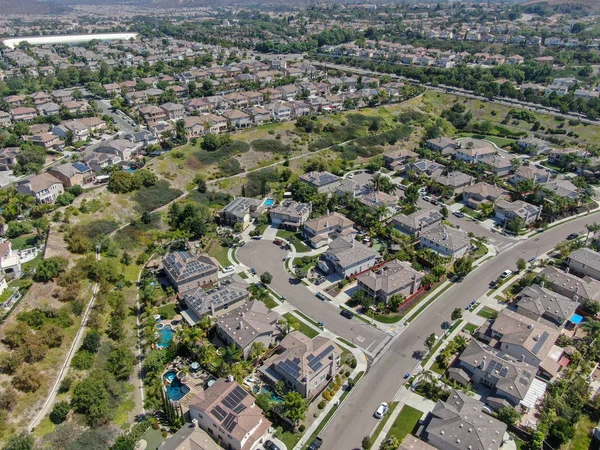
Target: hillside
{"type": "Point", "coordinates": [595, 4]}
{"type": "Point", "coordinates": [30, 7]}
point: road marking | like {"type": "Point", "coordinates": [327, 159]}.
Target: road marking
{"type": "Point", "coordinates": [360, 339]}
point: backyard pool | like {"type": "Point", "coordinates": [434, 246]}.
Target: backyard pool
{"type": "Point", "coordinates": [269, 202]}
{"type": "Point", "coordinates": [176, 390]}
{"type": "Point", "coordinates": [270, 392]}
{"type": "Point", "coordinates": [166, 334]}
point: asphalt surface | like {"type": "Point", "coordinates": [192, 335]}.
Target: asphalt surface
{"type": "Point", "coordinates": [120, 120]}
{"type": "Point", "coordinates": [354, 419]}
{"type": "Point", "coordinates": [264, 256]}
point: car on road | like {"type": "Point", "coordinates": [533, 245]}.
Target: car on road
{"type": "Point", "coordinates": [406, 375]}
{"type": "Point", "coordinates": [253, 271]}
{"type": "Point", "coordinates": [257, 238]}
{"type": "Point", "coordinates": [270, 445]}
{"type": "Point", "coordinates": [572, 236]}
{"type": "Point", "coordinates": [382, 410]}
{"type": "Point", "coordinates": [347, 314]}
{"type": "Point", "coordinates": [458, 214]}
{"type": "Point", "coordinates": [402, 187]}
{"type": "Point", "coordinates": [434, 202]}
{"type": "Point", "coordinates": [227, 269]}
{"type": "Point", "coordinates": [315, 444]}
{"type": "Point", "coordinates": [277, 242]}
{"type": "Point", "coordinates": [320, 296]}
{"type": "Point", "coordinates": [507, 273]}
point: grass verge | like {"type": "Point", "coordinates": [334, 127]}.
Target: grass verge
{"type": "Point", "coordinates": [428, 302]}
{"type": "Point", "coordinates": [382, 423]}
{"type": "Point", "coordinates": [405, 423]}
{"type": "Point", "coordinates": [302, 327]}
{"type": "Point", "coordinates": [487, 312]}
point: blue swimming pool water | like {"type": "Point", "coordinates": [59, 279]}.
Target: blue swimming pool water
{"type": "Point", "coordinates": [176, 390]}
{"type": "Point", "coordinates": [166, 334]}
{"type": "Point", "coordinates": [274, 397]}
{"type": "Point", "coordinates": [269, 202]}
{"type": "Point", "coordinates": [130, 169]}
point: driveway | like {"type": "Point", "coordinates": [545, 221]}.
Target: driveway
{"type": "Point", "coordinates": [264, 256]}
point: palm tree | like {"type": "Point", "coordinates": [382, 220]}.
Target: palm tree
{"type": "Point", "coordinates": [232, 354]}
{"type": "Point", "coordinates": [592, 228]}
{"type": "Point", "coordinates": [208, 354]}
{"type": "Point", "coordinates": [591, 327]}
{"type": "Point", "coordinates": [191, 335]}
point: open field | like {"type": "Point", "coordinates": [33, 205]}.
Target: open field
{"type": "Point", "coordinates": [435, 102]}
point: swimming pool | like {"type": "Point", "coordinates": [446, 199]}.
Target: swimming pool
{"type": "Point", "coordinates": [270, 392]}
{"type": "Point", "coordinates": [130, 169]}
{"type": "Point", "coordinates": [176, 390]}
{"type": "Point", "coordinates": [269, 202]}
{"type": "Point", "coordinates": [166, 334]}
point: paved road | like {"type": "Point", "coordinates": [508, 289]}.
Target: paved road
{"type": "Point", "coordinates": [121, 121]}
{"type": "Point", "coordinates": [355, 419]}
{"type": "Point", "coordinates": [265, 256]}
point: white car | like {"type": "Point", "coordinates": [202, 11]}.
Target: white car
{"type": "Point", "coordinates": [427, 198]}
{"type": "Point", "coordinates": [382, 410]}
{"type": "Point", "coordinates": [227, 269]}
{"type": "Point", "coordinates": [507, 273]}
{"type": "Point", "coordinates": [351, 175]}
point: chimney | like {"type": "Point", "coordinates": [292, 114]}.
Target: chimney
{"type": "Point", "coordinates": [195, 423]}
{"type": "Point", "coordinates": [229, 378]}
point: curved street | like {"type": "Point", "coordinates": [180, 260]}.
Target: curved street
{"type": "Point", "coordinates": [354, 419]}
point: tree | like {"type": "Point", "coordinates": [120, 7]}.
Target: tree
{"type": "Point", "coordinates": [266, 278]}
{"type": "Point", "coordinates": [462, 266]}
{"type": "Point", "coordinates": [300, 274]}
{"type": "Point", "coordinates": [509, 415]}
{"type": "Point", "coordinates": [91, 341]}
{"type": "Point", "coordinates": [456, 314]}
{"type": "Point", "coordinates": [50, 268]}
{"type": "Point", "coordinates": [23, 441]}
{"type": "Point", "coordinates": [591, 228]}
{"type": "Point", "coordinates": [390, 443]}
{"type": "Point", "coordinates": [232, 354]}
{"type": "Point", "coordinates": [515, 225]}
{"type": "Point", "coordinates": [120, 362]}
{"type": "Point", "coordinates": [592, 307]}
{"type": "Point", "coordinates": [411, 194]}
{"type": "Point", "coordinates": [521, 264]}
{"type": "Point", "coordinates": [28, 379]}
{"type": "Point", "coordinates": [561, 431]}
{"type": "Point", "coordinates": [90, 398]}
{"type": "Point", "coordinates": [294, 407]}
{"type": "Point", "coordinates": [60, 412]}
{"type": "Point", "coordinates": [366, 443]}
{"type": "Point", "coordinates": [430, 341]}
{"type": "Point", "coordinates": [444, 212]}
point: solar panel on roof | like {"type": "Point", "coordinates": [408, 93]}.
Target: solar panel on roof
{"type": "Point", "coordinates": [229, 422]}
{"type": "Point", "coordinates": [218, 412]}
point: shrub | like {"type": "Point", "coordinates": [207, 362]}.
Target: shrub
{"type": "Point", "coordinates": [60, 412]}
{"type": "Point", "coordinates": [226, 151]}
{"type": "Point", "coordinates": [155, 196]}
{"type": "Point", "coordinates": [353, 363]}
{"type": "Point", "coordinates": [270, 145]}
{"type": "Point", "coordinates": [321, 404]}
{"type": "Point", "coordinates": [229, 167]}
{"type": "Point", "coordinates": [83, 360]}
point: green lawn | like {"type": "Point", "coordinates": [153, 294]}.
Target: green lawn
{"type": "Point", "coordinates": [471, 328]}
{"type": "Point", "coordinates": [289, 439]}
{"type": "Point", "coordinates": [23, 242]}
{"type": "Point", "coordinates": [405, 423]}
{"type": "Point", "coordinates": [220, 253]}
{"type": "Point", "coordinates": [305, 317]}
{"type": "Point", "coordinates": [348, 343]}
{"type": "Point", "coordinates": [435, 367]}
{"type": "Point", "coordinates": [389, 318]}
{"type": "Point", "coordinates": [270, 303]}
{"type": "Point", "coordinates": [499, 141]}
{"type": "Point", "coordinates": [168, 311]}
{"type": "Point", "coordinates": [487, 312]}
{"type": "Point", "coordinates": [301, 247]}
{"type": "Point", "coordinates": [583, 434]}
{"type": "Point", "coordinates": [302, 327]}
{"type": "Point", "coordinates": [243, 275]}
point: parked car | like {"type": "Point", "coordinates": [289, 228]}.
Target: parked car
{"type": "Point", "coordinates": [402, 187]}
{"type": "Point", "coordinates": [458, 214]}
{"type": "Point", "coordinates": [257, 238]}
{"type": "Point", "coordinates": [320, 296]}
{"type": "Point", "coordinates": [277, 242]}
{"type": "Point", "coordinates": [227, 269]}
{"type": "Point", "coordinates": [320, 280]}
{"type": "Point", "coordinates": [434, 202]}
{"type": "Point", "coordinates": [427, 198]}
{"type": "Point", "coordinates": [347, 314]}
{"type": "Point", "coordinates": [573, 236]}
{"type": "Point", "coordinates": [507, 273]}
{"type": "Point", "coordinates": [382, 410]}
{"type": "Point", "coordinates": [253, 271]}
{"type": "Point", "coordinates": [270, 445]}
{"type": "Point", "coordinates": [315, 444]}
{"type": "Point", "coordinates": [493, 283]}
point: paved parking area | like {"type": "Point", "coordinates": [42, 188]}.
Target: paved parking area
{"type": "Point", "coordinates": [265, 256]}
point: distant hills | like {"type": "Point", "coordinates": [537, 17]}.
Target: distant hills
{"type": "Point", "coordinates": [30, 7]}
{"type": "Point", "coordinates": [595, 4]}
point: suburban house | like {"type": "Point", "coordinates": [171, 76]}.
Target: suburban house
{"type": "Point", "coordinates": [508, 211]}
{"type": "Point", "coordinates": [72, 174]}
{"type": "Point", "coordinates": [47, 109]}
{"type": "Point", "coordinates": [472, 151]}
{"type": "Point", "coordinates": [46, 140]}
{"type": "Point", "coordinates": [374, 200]}
{"type": "Point", "coordinates": [249, 324]}
{"type": "Point", "coordinates": [416, 223]}
{"type": "Point", "coordinates": [237, 118]}
{"type": "Point", "coordinates": [227, 412]}
{"type": "Point", "coordinates": [456, 180]}
{"type": "Point", "coordinates": [534, 146]}
{"type": "Point", "coordinates": [123, 148]}
{"type": "Point", "coordinates": [392, 278]}
{"type": "Point", "coordinates": [460, 423]}
{"type": "Point", "coordinates": [305, 365]}
{"type": "Point", "coordinates": [258, 114]}
{"type": "Point", "coordinates": [396, 160]}
{"type": "Point", "coordinates": [519, 336]}
{"type": "Point", "coordinates": [480, 193]}
{"type": "Point", "coordinates": [44, 187]}
{"type": "Point", "coordinates": [426, 167]}
{"type": "Point", "coordinates": [239, 210]}
{"type": "Point", "coordinates": [23, 114]}
{"type": "Point", "coordinates": [584, 262]}
{"type": "Point", "coordinates": [190, 437]}
{"type": "Point", "coordinates": [174, 111]}
{"type": "Point", "coordinates": [347, 257]}
{"type": "Point", "coordinates": [186, 271]}
{"type": "Point", "coordinates": [537, 302]}
{"type": "Point", "coordinates": [509, 378]}
{"type": "Point", "coordinates": [533, 173]}
{"type": "Point", "coordinates": [5, 119]}
{"type": "Point", "coordinates": [442, 144]}
{"type": "Point", "coordinates": [446, 240]}
{"type": "Point", "coordinates": [152, 114]}
{"type": "Point", "coordinates": [319, 231]}
{"type": "Point", "coordinates": [558, 156]}
{"type": "Point", "coordinates": [8, 158]}
{"type": "Point", "coordinates": [322, 181]}
{"type": "Point", "coordinates": [10, 261]}
{"type": "Point", "coordinates": [498, 163]}
{"type": "Point", "coordinates": [290, 214]}
{"type": "Point", "coordinates": [571, 286]}
{"type": "Point", "coordinates": [100, 161]}
{"type": "Point", "coordinates": [562, 188]}
{"type": "Point", "coordinates": [227, 294]}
